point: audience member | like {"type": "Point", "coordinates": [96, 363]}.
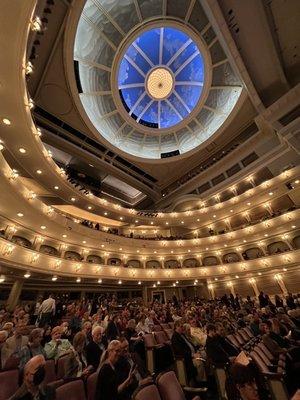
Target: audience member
{"type": "Point", "coordinates": [57, 347]}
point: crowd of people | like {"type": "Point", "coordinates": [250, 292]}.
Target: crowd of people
{"type": "Point", "coordinates": [106, 336]}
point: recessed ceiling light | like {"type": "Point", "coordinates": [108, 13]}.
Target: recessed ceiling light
{"type": "Point", "coordinates": [78, 280]}
{"type": "Point", "coordinates": [105, 213]}
{"type": "Point", "coordinates": [216, 279]}
{"type": "Point", "coordinates": [6, 121]}
{"type": "Point", "coordinates": [84, 241]}
{"type": "Point", "coordinates": [120, 249]}
{"type": "Point", "coordinates": [139, 282]}
{"type": "Point", "coordinates": [56, 187]}
{"type": "Point", "coordinates": [182, 222]}
{"type": "Point", "coordinates": [231, 211]}
{"type": "Point", "coordinates": [244, 240]}
{"type": "Point", "coordinates": [91, 165]}
{"type": "Point", "coordinates": [259, 273]}
{"type": "Point", "coordinates": [121, 218]}
{"type": "Point", "coordinates": [2, 278]}
{"type": "Point", "coordinates": [270, 193]}
{"type": "Point", "coordinates": [89, 207]}
{"type": "Point", "coordinates": [120, 282]}
{"type": "Point", "coordinates": [137, 251]}
{"type": "Point", "coordinates": [136, 221]}
{"type": "Point", "coordinates": [206, 248]}
{"type": "Point", "coordinates": [27, 275]}
{"type": "Point", "coordinates": [167, 223]}
{"type": "Point", "coordinates": [151, 222]}
{"type": "Point", "coordinates": [99, 280]}
{"type": "Point", "coordinates": [237, 277]}
{"type": "Point", "coordinates": [43, 227]}
{"type": "Point", "coordinates": [102, 245]}
{"type": "Point", "coordinates": [297, 181]}
{"type": "Point", "coordinates": [38, 171]}
{"type": "Point", "coordinates": [155, 251]}
{"type": "Point", "coordinates": [214, 216]}
{"type": "Point", "coordinates": [22, 150]}
{"type": "Point", "coordinates": [198, 219]}
{"type": "Point", "coordinates": [73, 199]}
{"type": "Point", "coordinates": [177, 282]}
{"type": "Point", "coordinates": [20, 214]}
{"type": "Point", "coordinates": [64, 235]}
{"type": "Point", "coordinates": [293, 226]}
{"type": "Point", "coordinates": [266, 235]}
{"type": "Point", "coordinates": [54, 278]}
{"type": "Point", "coordinates": [249, 204]}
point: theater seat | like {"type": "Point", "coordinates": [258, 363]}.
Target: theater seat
{"type": "Point", "coordinates": [8, 383]}
{"type": "Point", "coordinates": [149, 392]}
{"type": "Point", "coordinates": [60, 371]}
{"type": "Point", "coordinates": [170, 389]}
{"type": "Point", "coordinates": [91, 386]}
{"type": "Point", "coordinates": [161, 337]}
{"type": "Point", "coordinates": [71, 391]}
{"type": "Point", "coordinates": [50, 375]}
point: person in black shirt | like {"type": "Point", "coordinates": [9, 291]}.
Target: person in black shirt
{"type": "Point", "coordinates": [95, 348]}
{"type": "Point", "coordinates": [107, 387]}
{"type": "Point", "coordinates": [214, 351]}
{"type": "Point", "coordinates": [112, 330]}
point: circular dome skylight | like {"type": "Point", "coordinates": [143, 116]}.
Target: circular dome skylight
{"type": "Point", "coordinates": [160, 77]}
{"type": "Point", "coordinates": [151, 83]}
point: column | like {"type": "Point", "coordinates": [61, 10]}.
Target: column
{"type": "Point", "coordinates": [231, 287]}
{"type": "Point", "coordinates": [211, 291]}
{"type": "Point", "coordinates": [145, 295]}
{"type": "Point", "coordinates": [14, 294]}
{"type": "Point", "coordinates": [252, 282]}
{"type": "Point", "coordinates": [278, 278]}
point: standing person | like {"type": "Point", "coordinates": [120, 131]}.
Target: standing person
{"type": "Point", "coordinates": [112, 330]}
{"type": "Point", "coordinates": [34, 317]}
{"type": "Point", "coordinates": [47, 311]}
{"type": "Point", "coordinates": [107, 387]}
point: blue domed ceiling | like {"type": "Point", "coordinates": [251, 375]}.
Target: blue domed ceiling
{"type": "Point", "coordinates": [178, 59]}
{"type": "Point", "coordinates": [152, 79]}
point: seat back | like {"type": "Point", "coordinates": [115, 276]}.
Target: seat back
{"type": "Point", "coordinates": [50, 375]}
{"type": "Point", "coordinates": [161, 337]}
{"type": "Point", "coordinates": [169, 333]}
{"type": "Point", "coordinates": [259, 362]}
{"type": "Point", "coordinates": [149, 392]}
{"type": "Point", "coordinates": [169, 387]}
{"type": "Point", "coordinates": [249, 332]}
{"type": "Point", "coordinates": [8, 383]}
{"type": "Point", "coordinates": [181, 372]}
{"type": "Point", "coordinates": [262, 355]}
{"type": "Point", "coordinates": [277, 389]}
{"type": "Point", "coordinates": [73, 390]}
{"type": "Point", "coordinates": [149, 341]}
{"type": "Point", "coordinates": [267, 352]}
{"type": "Point", "coordinates": [244, 335]}
{"type": "Point", "coordinates": [91, 386]}
{"type": "Point", "coordinates": [220, 375]}
{"type": "Point", "coordinates": [149, 345]}
{"type": "Point", "coordinates": [12, 363]}
{"type": "Point", "coordinates": [233, 340]}
{"type": "Point", "coordinates": [60, 365]}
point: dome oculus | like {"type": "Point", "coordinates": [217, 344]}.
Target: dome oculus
{"type": "Point", "coordinates": [160, 77]}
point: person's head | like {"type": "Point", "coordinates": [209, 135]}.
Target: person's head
{"type": "Point", "coordinates": [51, 296]}
{"type": "Point", "coordinates": [79, 342]}
{"type": "Point", "coordinates": [35, 337]}
{"type": "Point", "coordinates": [265, 327]}
{"type": "Point", "coordinates": [97, 333]}
{"type": "Point", "coordinates": [3, 337]}
{"type": "Point", "coordinates": [34, 372]}
{"type": "Point", "coordinates": [187, 329]}
{"type": "Point", "coordinates": [124, 346]}
{"type": "Point", "coordinates": [19, 330]}
{"type": "Point", "coordinates": [113, 351]}
{"type": "Point", "coordinates": [244, 381]}
{"type": "Point", "coordinates": [56, 333]}
{"type": "Point", "coordinates": [211, 330]}
{"type": "Point", "coordinates": [131, 324]}
{"type": "Point", "coordinates": [8, 327]}
{"type": "Point", "coordinates": [220, 329]}
{"type": "Point", "coordinates": [178, 326]}
{"type": "Point", "coordinates": [193, 323]}
{"type": "Point", "coordinates": [87, 327]}
{"type": "Point", "coordinates": [47, 330]}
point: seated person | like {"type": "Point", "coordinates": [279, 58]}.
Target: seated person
{"type": "Point", "coordinates": [76, 365]}
{"type": "Point", "coordinates": [57, 347]}
{"type": "Point", "coordinates": [243, 383]}
{"type": "Point", "coordinates": [198, 362]}
{"type": "Point", "coordinates": [13, 345]}
{"type": "Point", "coordinates": [214, 351]}
{"type": "Point", "coordinates": [33, 347]}
{"type": "Point", "coordinates": [181, 349]}
{"type": "Point", "coordinates": [107, 387]}
{"type": "Point", "coordinates": [96, 347]}
{"type": "Point", "coordinates": [126, 362]}
{"type": "Point", "coordinates": [32, 387]}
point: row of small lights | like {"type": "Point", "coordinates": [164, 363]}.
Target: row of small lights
{"type": "Point", "coordinates": [73, 199]}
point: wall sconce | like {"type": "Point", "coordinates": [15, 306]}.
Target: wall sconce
{"type": "Point", "coordinates": [8, 250]}
{"type": "Point", "coordinates": [34, 258]}
{"type": "Point", "coordinates": [36, 24]}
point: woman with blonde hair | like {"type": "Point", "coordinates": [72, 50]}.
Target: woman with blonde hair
{"type": "Point", "coordinates": [107, 387]}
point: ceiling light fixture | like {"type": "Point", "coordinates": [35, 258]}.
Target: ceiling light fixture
{"type": "Point", "coordinates": [56, 187]}
{"type": "Point", "coordinates": [43, 227]}
{"type": "Point", "coordinates": [22, 150]}
{"type": "Point", "coordinates": [64, 235]}
{"type": "Point", "coordinates": [27, 275]}
{"type": "Point", "coordinates": [20, 214]}
{"type": "Point", "coordinates": [78, 280]}
{"type": "Point", "coordinates": [38, 171]}
{"type": "Point", "coordinates": [73, 199]}
{"type": "Point", "coordinates": [2, 278]}
{"type": "Point", "coordinates": [99, 280]}
{"type": "Point", "coordinates": [54, 278]}
{"type": "Point", "coordinates": [6, 121]}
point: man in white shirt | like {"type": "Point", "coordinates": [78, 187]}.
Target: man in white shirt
{"type": "Point", "coordinates": [47, 311]}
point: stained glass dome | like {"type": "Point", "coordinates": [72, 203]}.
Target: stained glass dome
{"type": "Point", "coordinates": [160, 77]}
